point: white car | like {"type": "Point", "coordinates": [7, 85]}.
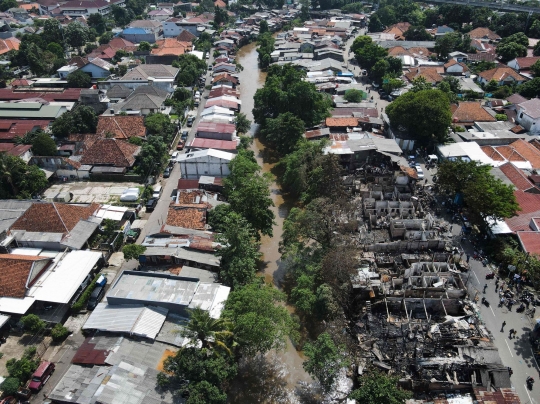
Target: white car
{"type": "Point", "coordinates": [419, 172]}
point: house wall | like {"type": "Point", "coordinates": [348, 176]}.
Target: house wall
{"type": "Point", "coordinates": [215, 135]}
{"type": "Point", "coordinates": [171, 30]}
{"type": "Point", "coordinates": [513, 64]}
{"type": "Point", "coordinates": [189, 27]}
{"type": "Point", "coordinates": [530, 124]}
{"type": "Point", "coordinates": [95, 71]}
{"type": "Point", "coordinates": [136, 38]}
{"type": "Point", "coordinates": [206, 165]}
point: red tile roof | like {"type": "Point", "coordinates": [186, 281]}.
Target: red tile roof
{"type": "Point", "coordinates": [530, 241]}
{"type": "Point", "coordinates": [431, 74]}
{"type": "Point", "coordinates": [187, 184]}
{"type": "Point", "coordinates": [189, 216]}
{"type": "Point", "coordinates": [53, 217]}
{"type": "Point", "coordinates": [341, 122]}
{"type": "Point", "coordinates": [171, 46]}
{"type": "Point", "coordinates": [528, 151]}
{"type": "Point", "coordinates": [10, 128]}
{"type": "Point", "coordinates": [203, 143]}
{"type": "Point", "coordinates": [15, 273]}
{"type": "Point", "coordinates": [225, 77]}
{"type": "Point", "coordinates": [123, 127]}
{"type": "Point", "coordinates": [218, 92]}
{"type": "Point", "coordinates": [186, 36]}
{"type": "Point", "coordinates": [9, 44]}
{"type": "Point", "coordinates": [216, 127]}
{"type": "Point", "coordinates": [530, 208]}
{"type": "Point", "coordinates": [221, 103]}
{"type": "Point", "coordinates": [111, 152]}
{"type": "Point", "coordinates": [525, 63]}
{"type": "Point", "coordinates": [484, 33]}
{"type": "Point", "coordinates": [517, 177]}
{"type": "Point", "coordinates": [501, 73]}
{"type": "Point", "coordinates": [468, 112]}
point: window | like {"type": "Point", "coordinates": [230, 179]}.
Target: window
{"type": "Point", "coordinates": [521, 115]}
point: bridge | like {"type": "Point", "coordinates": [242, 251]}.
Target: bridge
{"type": "Point", "coordinates": [497, 6]}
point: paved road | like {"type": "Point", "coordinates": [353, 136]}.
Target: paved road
{"type": "Point", "coordinates": [515, 353]}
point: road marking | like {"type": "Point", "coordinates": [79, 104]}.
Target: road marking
{"type": "Point", "coordinates": [474, 273]}
{"type": "Point", "coordinates": [492, 311]}
{"type": "Point", "coordinates": [527, 390]}
{"type": "Point", "coordinates": [505, 340]}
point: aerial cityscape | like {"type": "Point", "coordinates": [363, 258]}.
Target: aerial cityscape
{"type": "Point", "coordinates": [292, 202]}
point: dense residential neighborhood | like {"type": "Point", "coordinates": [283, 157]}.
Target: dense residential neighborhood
{"type": "Point", "coordinates": [277, 202]}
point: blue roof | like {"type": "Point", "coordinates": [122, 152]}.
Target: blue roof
{"type": "Point", "coordinates": [443, 29]}
{"type": "Point", "coordinates": [132, 31]}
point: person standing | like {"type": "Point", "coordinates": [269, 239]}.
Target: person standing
{"type": "Point", "coordinates": [503, 324]}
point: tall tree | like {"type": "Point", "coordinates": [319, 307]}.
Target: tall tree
{"type": "Point", "coordinates": [43, 145]}
{"type": "Point", "coordinates": [97, 22]}
{"type": "Point", "coordinates": [424, 114]}
{"type": "Point", "coordinates": [261, 322]}
{"type": "Point", "coordinates": [243, 125]}
{"type": "Point", "coordinates": [325, 360]}
{"type": "Point", "coordinates": [52, 31]}
{"type": "Point", "coordinates": [79, 79]}
{"type": "Point", "coordinates": [210, 332]}
{"type": "Point", "coordinates": [81, 119]}
{"type": "Point", "coordinates": [76, 34]}
{"type": "Point", "coordinates": [283, 132]}
{"type": "Point", "coordinates": [377, 388]}
{"type": "Point", "coordinates": [240, 251]}
{"type": "Point", "coordinates": [19, 180]}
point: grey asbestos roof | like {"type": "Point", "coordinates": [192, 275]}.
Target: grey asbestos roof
{"type": "Point", "coordinates": [10, 211]}
{"type": "Point", "coordinates": [79, 235]}
{"type": "Point", "coordinates": [156, 71]}
{"type": "Point", "coordinates": [119, 91]}
{"type": "Point", "coordinates": [407, 44]}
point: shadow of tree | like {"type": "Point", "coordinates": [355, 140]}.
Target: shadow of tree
{"type": "Point", "coordinates": [523, 348]}
{"type": "Point", "coordinates": [260, 379]}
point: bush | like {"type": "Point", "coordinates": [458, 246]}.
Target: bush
{"type": "Point", "coordinates": [501, 117]}
{"type": "Point", "coordinates": [21, 369]}
{"type": "Point", "coordinates": [10, 386]}
{"type": "Point", "coordinates": [32, 323]}
{"type": "Point", "coordinates": [30, 352]}
{"type": "Point", "coordinates": [83, 299]}
{"type": "Point", "coordinates": [59, 333]}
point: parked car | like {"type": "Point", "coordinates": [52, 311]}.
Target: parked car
{"type": "Point", "coordinates": [40, 376]}
{"type": "Point", "coordinates": [151, 204]}
{"type": "Point", "coordinates": [419, 172]}
{"type": "Point", "coordinates": [167, 173]}
{"type": "Point", "coordinates": [190, 121]}
{"type": "Point", "coordinates": [180, 145]}
{"type": "Point", "coordinates": [185, 134]}
{"type": "Point", "coordinates": [96, 296]}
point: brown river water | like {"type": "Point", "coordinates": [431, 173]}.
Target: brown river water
{"type": "Point", "coordinates": [288, 363]}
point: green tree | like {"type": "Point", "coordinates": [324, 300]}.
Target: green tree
{"type": "Point", "coordinates": [212, 333]}
{"type": "Point", "coordinates": [243, 125]}
{"type": "Point", "coordinates": [283, 132]}
{"type": "Point", "coordinates": [43, 145]}
{"type": "Point", "coordinates": [391, 84]}
{"type": "Point", "coordinates": [377, 388]}
{"type": "Point", "coordinates": [160, 125]}
{"type": "Point", "coordinates": [79, 79]}
{"type": "Point", "coordinates": [367, 53]}
{"type": "Point", "coordinates": [152, 155]}
{"type": "Point", "coordinates": [59, 333]}
{"type": "Point", "coordinates": [353, 95]}
{"type": "Point", "coordinates": [511, 50]}
{"type": "Point", "coordinates": [191, 366]}
{"type": "Point", "coordinates": [144, 46]}
{"type": "Point", "coordinates": [105, 38]}
{"type": "Point", "coordinates": [536, 68]}
{"type": "Point", "coordinates": [325, 360]}
{"type": "Point", "coordinates": [266, 47]}
{"type": "Point", "coordinates": [19, 180]}
{"type": "Point", "coordinates": [261, 322]}
{"type": "Point", "coordinates": [21, 369]}
{"type": "Point", "coordinates": [240, 251]}
{"type": "Point", "coordinates": [56, 49]}
{"type": "Point", "coordinates": [519, 38]}
{"type": "Point", "coordinates": [206, 393]}
{"type": "Point", "coordinates": [191, 67]}
{"type": "Point", "coordinates": [133, 251]}
{"type": "Point", "coordinates": [32, 323]}
{"type": "Point", "coordinates": [76, 34]}
{"type": "Point", "coordinates": [10, 386]}
{"type": "Point", "coordinates": [248, 192]}
{"type": "Point", "coordinates": [7, 4]}
{"type": "Point", "coordinates": [531, 88]}
{"type": "Point", "coordinates": [424, 114]}
{"type": "Point", "coordinates": [217, 217]}
{"type": "Point", "coordinates": [485, 195]}
{"type": "Point", "coordinates": [52, 32]}
{"type": "Point", "coordinates": [97, 22]}
{"type": "Point", "coordinates": [417, 33]}
{"type": "Point", "coordinates": [482, 66]}
{"type": "Point", "coordinates": [375, 24]}
{"type": "Point", "coordinates": [263, 27]}
{"type": "Point", "coordinates": [81, 119]}
{"type": "Point", "coordinates": [220, 17]}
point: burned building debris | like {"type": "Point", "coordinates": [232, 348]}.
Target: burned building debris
{"type": "Point", "coordinates": [414, 318]}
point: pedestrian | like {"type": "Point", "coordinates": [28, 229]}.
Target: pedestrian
{"type": "Point", "coordinates": [468, 258]}
{"type": "Point", "coordinates": [496, 288]}
{"type": "Point", "coordinates": [511, 332]}
{"type": "Point", "coordinates": [510, 304]}
{"type": "Point", "coordinates": [515, 333]}
{"type": "Point", "coordinates": [503, 324]}
{"type": "Point", "coordinates": [485, 287]}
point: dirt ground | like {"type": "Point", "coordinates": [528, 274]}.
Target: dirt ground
{"type": "Point", "coordinates": [90, 191]}
{"type": "Point", "coordinates": [15, 346]}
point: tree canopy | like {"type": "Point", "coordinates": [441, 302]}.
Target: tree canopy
{"type": "Point", "coordinates": [261, 323]}
{"type": "Point", "coordinates": [377, 388]}
{"type": "Point", "coordinates": [367, 53]}
{"type": "Point", "coordinates": [19, 180]}
{"type": "Point", "coordinates": [79, 79]}
{"type": "Point", "coordinates": [191, 67]}
{"type": "Point", "coordinates": [43, 145]}
{"type": "Point", "coordinates": [285, 91]}
{"type": "Point", "coordinates": [81, 119]}
{"type": "Point", "coordinates": [484, 195]}
{"type": "Point", "coordinates": [424, 114]}
{"type": "Point", "coordinates": [283, 132]}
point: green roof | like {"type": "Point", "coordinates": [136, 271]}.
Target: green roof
{"type": "Point", "coordinates": [29, 110]}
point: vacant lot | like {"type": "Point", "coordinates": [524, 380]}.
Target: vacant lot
{"type": "Point", "coordinates": [86, 192]}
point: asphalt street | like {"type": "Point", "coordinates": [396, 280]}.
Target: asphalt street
{"type": "Point", "coordinates": [516, 352]}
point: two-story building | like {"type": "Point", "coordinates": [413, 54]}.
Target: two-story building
{"type": "Point", "coordinates": [528, 115]}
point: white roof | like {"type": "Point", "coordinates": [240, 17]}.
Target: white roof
{"type": "Point", "coordinates": [111, 212]}
{"type": "Point", "coordinates": [227, 98]}
{"type": "Point", "coordinates": [15, 305]}
{"type": "Point", "coordinates": [465, 149]}
{"type": "Point", "coordinates": [217, 110]}
{"type": "Point", "coordinates": [219, 301]}
{"type": "Point", "coordinates": [60, 282]}
{"type": "Point", "coordinates": [133, 319]}
{"type": "Point", "coordinates": [27, 251]}
{"type": "Point", "coordinates": [203, 153]}
{"type": "Point", "coordinates": [199, 54]}
{"type": "Point", "coordinates": [3, 319]}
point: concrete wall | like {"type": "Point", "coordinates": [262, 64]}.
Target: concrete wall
{"type": "Point", "coordinates": [208, 165]}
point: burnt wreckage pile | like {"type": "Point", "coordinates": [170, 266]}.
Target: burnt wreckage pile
{"type": "Point", "coordinates": [415, 319]}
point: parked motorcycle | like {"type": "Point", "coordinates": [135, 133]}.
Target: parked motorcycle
{"type": "Point", "coordinates": [530, 382]}
{"type": "Point", "coordinates": [485, 302]}
{"type": "Point", "coordinates": [491, 275]}
{"type": "Point", "coordinates": [521, 308]}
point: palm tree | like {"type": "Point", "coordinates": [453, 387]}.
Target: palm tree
{"type": "Point", "coordinates": [211, 332]}
{"type": "Point", "coordinates": [6, 172]}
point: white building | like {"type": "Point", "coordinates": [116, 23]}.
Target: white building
{"type": "Point", "coordinates": [78, 8]}
{"type": "Point", "coordinates": [208, 162]}
{"type": "Point", "coordinates": [528, 115]}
